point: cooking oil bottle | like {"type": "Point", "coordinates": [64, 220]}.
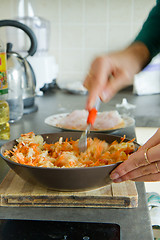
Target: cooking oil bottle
{"type": "Point", "coordinates": [4, 107]}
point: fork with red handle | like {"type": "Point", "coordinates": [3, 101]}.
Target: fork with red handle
{"type": "Point", "coordinates": [82, 144]}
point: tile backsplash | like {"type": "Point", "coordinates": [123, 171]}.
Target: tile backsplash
{"type": "Point", "coordinates": [82, 29]}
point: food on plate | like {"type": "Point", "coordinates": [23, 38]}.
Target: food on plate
{"type": "Point", "coordinates": [104, 120]}
{"type": "Point", "coordinates": [108, 120]}
{"type": "Point", "coordinates": [75, 120]}
{"type": "Point", "coordinates": [34, 151]}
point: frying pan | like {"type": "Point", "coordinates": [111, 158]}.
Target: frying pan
{"type": "Point", "coordinates": [64, 179]}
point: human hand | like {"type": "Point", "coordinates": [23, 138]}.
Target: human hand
{"type": "Point", "coordinates": [143, 165]}
{"type": "Point", "coordinates": [110, 73]}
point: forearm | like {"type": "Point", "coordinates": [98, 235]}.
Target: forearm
{"type": "Point", "coordinates": [137, 56]}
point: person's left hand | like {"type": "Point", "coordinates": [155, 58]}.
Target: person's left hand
{"type": "Point", "coordinates": [141, 166]}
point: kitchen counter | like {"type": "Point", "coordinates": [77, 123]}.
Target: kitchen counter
{"type": "Point", "coordinates": [134, 223]}
{"type": "Point", "coordinates": [147, 111]}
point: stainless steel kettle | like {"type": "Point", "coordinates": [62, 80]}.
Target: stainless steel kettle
{"type": "Point", "coordinates": [19, 67]}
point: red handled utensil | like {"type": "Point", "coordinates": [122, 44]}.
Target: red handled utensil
{"type": "Point", "coordinates": [82, 144]}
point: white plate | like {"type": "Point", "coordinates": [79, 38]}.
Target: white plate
{"type": "Point", "coordinates": [54, 119]}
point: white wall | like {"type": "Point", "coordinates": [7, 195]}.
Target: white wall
{"type": "Point", "coordinates": [82, 29]}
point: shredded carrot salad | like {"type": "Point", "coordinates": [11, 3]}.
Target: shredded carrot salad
{"type": "Point", "coordinates": [34, 151]}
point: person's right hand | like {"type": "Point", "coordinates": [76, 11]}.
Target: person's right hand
{"type": "Point", "coordinates": [110, 73]}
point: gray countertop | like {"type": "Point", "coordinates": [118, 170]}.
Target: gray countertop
{"type": "Point", "coordinates": [134, 223]}
{"type": "Point", "coordinates": [147, 111]}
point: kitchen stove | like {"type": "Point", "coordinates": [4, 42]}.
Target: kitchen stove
{"type": "Point", "coordinates": [48, 230]}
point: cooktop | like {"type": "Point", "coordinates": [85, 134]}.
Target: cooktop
{"type": "Point", "coordinates": [49, 230]}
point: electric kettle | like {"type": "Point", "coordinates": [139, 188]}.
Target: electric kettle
{"type": "Point", "coordinates": [19, 67]}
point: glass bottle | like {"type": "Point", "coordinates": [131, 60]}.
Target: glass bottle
{"type": "Point", "coordinates": [4, 107]}
{"type": "Point", "coordinates": [14, 77]}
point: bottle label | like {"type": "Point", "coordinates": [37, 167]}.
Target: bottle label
{"type": "Point", "coordinates": [3, 74]}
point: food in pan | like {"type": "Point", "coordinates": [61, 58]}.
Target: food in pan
{"type": "Point", "coordinates": [34, 151]}
{"type": "Point", "coordinates": [104, 120]}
